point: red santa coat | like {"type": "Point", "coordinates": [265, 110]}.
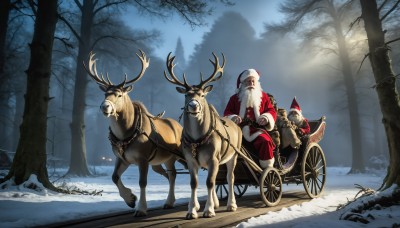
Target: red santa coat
{"type": "Point", "coordinates": [260, 138]}
{"type": "Point", "coordinates": [304, 128]}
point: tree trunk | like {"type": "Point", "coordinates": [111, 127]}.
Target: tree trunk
{"type": "Point", "coordinates": [385, 87]}
{"type": "Point", "coordinates": [78, 162]}
{"type": "Point", "coordinates": [4, 13]}
{"type": "Point", "coordinates": [19, 108]}
{"type": "Point", "coordinates": [357, 164]}
{"type": "Point", "coordinates": [30, 157]}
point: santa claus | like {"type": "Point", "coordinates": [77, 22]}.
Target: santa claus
{"type": "Point", "coordinates": [252, 109]}
{"type": "Point", "coordinates": [295, 115]}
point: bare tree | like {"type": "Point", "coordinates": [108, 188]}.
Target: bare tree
{"type": "Point", "coordinates": [30, 158]}
{"type": "Point", "coordinates": [330, 14]}
{"type": "Point", "coordinates": [4, 13]}
{"type": "Point", "coordinates": [385, 79]}
{"type": "Point", "coordinates": [10, 28]}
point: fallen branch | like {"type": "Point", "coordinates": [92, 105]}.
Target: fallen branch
{"type": "Point", "coordinates": [363, 203]}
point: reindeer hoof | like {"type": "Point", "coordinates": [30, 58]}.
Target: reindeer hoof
{"type": "Point", "coordinates": [208, 214]}
{"type": "Point", "coordinates": [131, 201]}
{"type": "Point", "coordinates": [168, 206]}
{"type": "Point", "coordinates": [191, 216]}
{"type": "Point", "coordinates": [139, 213]}
{"type": "Point", "coordinates": [197, 206]}
{"type": "Point", "coordinates": [231, 208]}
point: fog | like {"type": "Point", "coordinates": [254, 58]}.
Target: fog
{"type": "Point", "coordinates": [289, 67]}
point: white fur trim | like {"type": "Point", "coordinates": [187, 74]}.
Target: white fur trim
{"type": "Point", "coordinates": [231, 116]}
{"type": "Point", "coordinates": [271, 122]}
{"type": "Point", "coordinates": [295, 110]}
{"type": "Point", "coordinates": [249, 73]}
{"type": "Point", "coordinates": [267, 163]}
{"type": "Point", "coordinates": [247, 136]}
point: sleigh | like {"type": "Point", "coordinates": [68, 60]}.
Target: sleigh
{"type": "Point", "coordinates": [306, 166]}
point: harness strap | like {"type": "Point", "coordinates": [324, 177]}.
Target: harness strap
{"type": "Point", "coordinates": [194, 144]}
{"type": "Point", "coordinates": [156, 140]}
{"type": "Point", "coordinates": [123, 144]}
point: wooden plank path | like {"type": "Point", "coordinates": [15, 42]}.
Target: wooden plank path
{"type": "Point", "coordinates": [248, 206]}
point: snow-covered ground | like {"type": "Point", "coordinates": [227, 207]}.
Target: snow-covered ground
{"type": "Point", "coordinates": [23, 207]}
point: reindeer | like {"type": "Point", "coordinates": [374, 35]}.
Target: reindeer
{"type": "Point", "coordinates": [207, 139]}
{"type": "Point", "coordinates": [137, 137]}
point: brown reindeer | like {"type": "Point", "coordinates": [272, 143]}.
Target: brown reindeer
{"type": "Point", "coordinates": [137, 137]}
{"type": "Point", "coordinates": [207, 140]}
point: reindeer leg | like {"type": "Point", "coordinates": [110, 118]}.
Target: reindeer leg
{"type": "Point", "coordinates": [212, 174]}
{"type": "Point", "coordinates": [141, 209]}
{"type": "Point", "coordinates": [160, 170]}
{"type": "Point", "coordinates": [231, 204]}
{"type": "Point", "coordinates": [170, 164]}
{"type": "Point", "coordinates": [124, 192]}
{"type": "Point", "coordinates": [215, 199]}
{"type": "Point", "coordinates": [193, 205]}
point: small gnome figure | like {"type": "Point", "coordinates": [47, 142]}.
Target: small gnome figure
{"type": "Point", "coordinates": [294, 127]}
{"type": "Point", "coordinates": [295, 115]}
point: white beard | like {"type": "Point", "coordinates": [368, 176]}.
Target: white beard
{"type": "Point", "coordinates": [250, 97]}
{"type": "Point", "coordinates": [296, 119]}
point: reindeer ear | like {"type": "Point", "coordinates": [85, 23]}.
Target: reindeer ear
{"type": "Point", "coordinates": [208, 88]}
{"type": "Point", "coordinates": [128, 89]}
{"type": "Point", "coordinates": [103, 88]}
{"type": "Point", "coordinates": [180, 90]}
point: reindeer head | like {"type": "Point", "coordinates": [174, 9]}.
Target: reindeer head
{"type": "Point", "coordinates": [116, 96]}
{"type": "Point", "coordinates": [194, 94]}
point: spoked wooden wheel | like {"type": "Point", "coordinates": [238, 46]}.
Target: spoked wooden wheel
{"type": "Point", "coordinates": [313, 171]}
{"type": "Point", "coordinates": [271, 187]}
{"type": "Point", "coordinates": [222, 190]}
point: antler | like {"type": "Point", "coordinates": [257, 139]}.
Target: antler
{"type": "Point", "coordinates": [93, 72]}
{"type": "Point", "coordinates": [101, 81]}
{"type": "Point", "coordinates": [217, 69]}
{"type": "Point", "coordinates": [174, 79]}
{"type": "Point", "coordinates": [145, 63]}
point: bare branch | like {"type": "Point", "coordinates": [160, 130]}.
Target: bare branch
{"type": "Point", "coordinates": [64, 41]}
{"type": "Point", "coordinates": [362, 62]}
{"type": "Point", "coordinates": [356, 21]}
{"type": "Point", "coordinates": [382, 5]}
{"type": "Point", "coordinates": [392, 41]}
{"type": "Point", "coordinates": [391, 10]}
{"type": "Point", "coordinates": [149, 9]}
{"type": "Point", "coordinates": [107, 5]}
{"type": "Point", "coordinates": [390, 79]}
{"type": "Point", "coordinates": [79, 5]}
{"type": "Point", "coordinates": [33, 6]}
{"type": "Point", "coordinates": [71, 28]}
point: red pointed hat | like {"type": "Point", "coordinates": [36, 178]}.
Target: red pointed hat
{"type": "Point", "coordinates": [245, 74]}
{"type": "Point", "coordinates": [295, 106]}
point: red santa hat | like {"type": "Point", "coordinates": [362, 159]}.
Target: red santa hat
{"type": "Point", "coordinates": [295, 107]}
{"type": "Point", "coordinates": [245, 74]}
